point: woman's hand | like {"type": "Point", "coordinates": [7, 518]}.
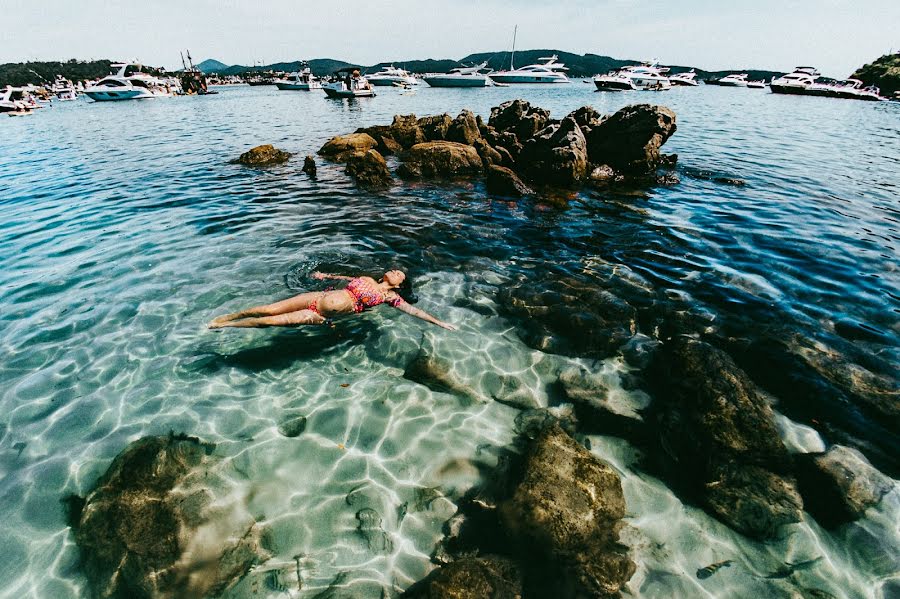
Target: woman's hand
{"type": "Point", "coordinates": [446, 325]}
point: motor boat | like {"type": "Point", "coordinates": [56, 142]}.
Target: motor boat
{"type": "Point", "coordinates": [63, 89]}
{"type": "Point", "coordinates": [795, 83]}
{"type": "Point", "coordinates": [13, 101]}
{"type": "Point", "coordinates": [688, 79]}
{"type": "Point", "coordinates": [849, 89]}
{"type": "Point", "coordinates": [348, 83]}
{"type": "Point", "coordinates": [646, 76]}
{"type": "Point", "coordinates": [761, 84]}
{"type": "Point", "coordinates": [302, 80]}
{"type": "Point", "coordinates": [389, 75]}
{"type": "Point", "coordinates": [547, 71]}
{"type": "Point", "coordinates": [126, 82]}
{"type": "Point", "coordinates": [733, 80]}
{"type": "Point", "coordinates": [459, 77]}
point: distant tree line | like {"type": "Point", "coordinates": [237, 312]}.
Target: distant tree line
{"type": "Point", "coordinates": [883, 72]}
{"type": "Point", "coordinates": [42, 73]}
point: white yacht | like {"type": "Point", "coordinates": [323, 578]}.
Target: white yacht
{"type": "Point", "coordinates": [734, 80]}
{"type": "Point", "coordinates": [761, 84]}
{"type": "Point", "coordinates": [348, 83]}
{"type": "Point", "coordinates": [63, 89]}
{"type": "Point", "coordinates": [646, 76]}
{"type": "Point", "coordinates": [126, 82]}
{"type": "Point", "coordinates": [547, 71]}
{"type": "Point", "coordinates": [459, 77]}
{"type": "Point", "coordinates": [302, 80]}
{"type": "Point", "coordinates": [688, 79]}
{"type": "Point", "coordinates": [12, 101]}
{"type": "Point", "coordinates": [796, 82]}
{"type": "Point", "coordinates": [390, 75]}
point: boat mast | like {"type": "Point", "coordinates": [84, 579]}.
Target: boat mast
{"type": "Point", "coordinates": [513, 54]}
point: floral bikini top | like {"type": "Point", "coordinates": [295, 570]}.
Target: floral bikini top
{"type": "Point", "coordinates": [366, 296]}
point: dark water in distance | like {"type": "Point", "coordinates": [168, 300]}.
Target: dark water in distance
{"type": "Point", "coordinates": [125, 229]}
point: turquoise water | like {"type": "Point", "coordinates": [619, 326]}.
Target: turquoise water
{"type": "Point", "coordinates": [125, 229]}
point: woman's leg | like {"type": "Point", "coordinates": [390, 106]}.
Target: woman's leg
{"type": "Point", "coordinates": [279, 320]}
{"type": "Point", "coordinates": [292, 304]}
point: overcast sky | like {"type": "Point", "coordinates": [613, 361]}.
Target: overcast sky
{"type": "Point", "coordinates": [837, 36]}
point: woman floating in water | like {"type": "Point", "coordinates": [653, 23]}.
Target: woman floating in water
{"type": "Point", "coordinates": [317, 307]}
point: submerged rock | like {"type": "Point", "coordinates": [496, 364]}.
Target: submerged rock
{"type": "Point", "coordinates": [568, 507]}
{"type": "Point", "coordinates": [293, 427]}
{"type": "Point", "coordinates": [341, 147]}
{"type": "Point", "coordinates": [264, 155]}
{"type": "Point", "coordinates": [441, 159]}
{"type": "Point", "coordinates": [630, 139]}
{"type": "Point", "coordinates": [489, 577]}
{"type": "Point", "coordinates": [718, 438]}
{"type": "Point", "coordinates": [839, 485]}
{"type": "Point", "coordinates": [502, 181]}
{"type": "Point", "coordinates": [143, 535]}
{"type": "Point", "coordinates": [556, 155]}
{"type": "Point", "coordinates": [369, 169]}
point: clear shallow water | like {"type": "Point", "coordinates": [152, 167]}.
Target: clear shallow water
{"type": "Point", "coordinates": [125, 230]}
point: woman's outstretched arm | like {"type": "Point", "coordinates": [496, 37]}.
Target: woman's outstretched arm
{"type": "Point", "coordinates": [413, 311]}
{"type": "Point", "coordinates": [324, 275]}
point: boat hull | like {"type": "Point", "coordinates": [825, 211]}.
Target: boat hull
{"type": "Point", "coordinates": [683, 83]}
{"type": "Point", "coordinates": [456, 81]}
{"type": "Point", "coordinates": [300, 87]}
{"type": "Point", "coordinates": [345, 93]}
{"type": "Point", "coordinates": [527, 79]}
{"type": "Point", "coordinates": [794, 90]}
{"type": "Point", "coordinates": [118, 95]}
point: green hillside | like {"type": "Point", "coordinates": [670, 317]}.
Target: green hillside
{"type": "Point", "coordinates": [19, 73]}
{"type": "Point", "coordinates": [884, 73]}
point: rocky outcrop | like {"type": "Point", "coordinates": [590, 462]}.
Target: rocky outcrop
{"type": "Point", "coordinates": [629, 140]}
{"type": "Point", "coordinates": [464, 129]}
{"type": "Point", "coordinates": [370, 170]}
{"type": "Point", "coordinates": [582, 147]}
{"type": "Point", "coordinates": [406, 130]}
{"type": "Point", "coordinates": [384, 137]}
{"type": "Point", "coordinates": [145, 532]}
{"type": "Point", "coordinates": [518, 118]}
{"type": "Point", "coordinates": [341, 147]}
{"type": "Point", "coordinates": [440, 159]}
{"type": "Point", "coordinates": [435, 127]}
{"type": "Point", "coordinates": [490, 577]}
{"type": "Point", "coordinates": [556, 155]}
{"type": "Point", "coordinates": [264, 155]}
{"type": "Point", "coordinates": [501, 181]}
{"type": "Point", "coordinates": [839, 485]}
{"type": "Point", "coordinates": [718, 440]}
{"type": "Point", "coordinates": [309, 166]}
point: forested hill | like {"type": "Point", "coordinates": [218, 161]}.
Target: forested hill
{"type": "Point", "coordinates": [883, 72]}
{"type": "Point", "coordinates": [23, 73]}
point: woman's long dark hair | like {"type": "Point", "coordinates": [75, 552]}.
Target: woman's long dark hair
{"type": "Point", "coordinates": [405, 290]}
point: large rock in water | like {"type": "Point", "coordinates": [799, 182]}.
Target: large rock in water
{"type": "Point", "coordinates": [630, 139]}
{"type": "Point", "coordinates": [568, 508]}
{"type": "Point", "coordinates": [840, 485]}
{"type": "Point", "coordinates": [263, 156]}
{"type": "Point", "coordinates": [406, 130]}
{"type": "Point", "coordinates": [464, 129]}
{"type": "Point", "coordinates": [342, 147]}
{"type": "Point", "coordinates": [435, 127]}
{"type": "Point", "coordinates": [440, 158]}
{"type": "Point", "coordinates": [143, 534]}
{"type": "Point", "coordinates": [384, 137]}
{"type": "Point", "coordinates": [369, 170]}
{"type": "Point", "coordinates": [471, 578]}
{"type": "Point", "coordinates": [718, 438]}
{"type": "Point", "coordinates": [501, 181]}
{"type": "Point", "coordinates": [519, 118]}
{"type": "Point", "coordinates": [556, 155]}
